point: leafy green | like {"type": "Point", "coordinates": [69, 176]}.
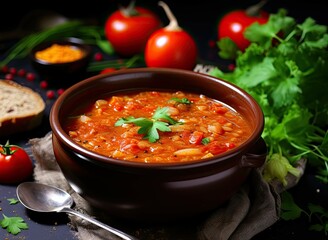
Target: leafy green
{"type": "Point", "coordinates": [285, 69]}
{"type": "Point", "coordinates": [162, 113]}
{"type": "Point", "coordinates": [322, 217]}
{"type": "Point", "coordinates": [13, 201]}
{"type": "Point", "coordinates": [264, 35]}
{"type": "Point", "coordinates": [289, 209]}
{"type": "Point", "coordinates": [182, 100]}
{"type": "Point", "coordinates": [14, 225]}
{"type": "Point", "coordinates": [206, 141]}
{"type": "Point", "coordinates": [315, 213]}
{"type": "Point", "coordinates": [150, 127]}
{"type": "Point", "coordinates": [228, 48]}
{"type": "Point", "coordinates": [278, 166]}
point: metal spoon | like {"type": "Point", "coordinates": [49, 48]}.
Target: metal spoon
{"type": "Point", "coordinates": [44, 198]}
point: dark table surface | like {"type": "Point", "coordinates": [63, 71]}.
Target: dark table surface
{"type": "Point", "coordinates": [55, 226]}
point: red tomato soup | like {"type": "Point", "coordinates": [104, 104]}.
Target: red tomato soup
{"type": "Point", "coordinates": [158, 127]}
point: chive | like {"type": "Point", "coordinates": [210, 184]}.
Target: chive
{"type": "Point", "coordinates": [117, 63]}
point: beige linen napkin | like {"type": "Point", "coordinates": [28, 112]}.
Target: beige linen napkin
{"type": "Point", "coordinates": [255, 207]}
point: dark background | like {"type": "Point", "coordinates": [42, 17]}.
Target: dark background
{"type": "Point", "coordinates": [194, 15]}
{"type": "Point", "coordinates": [199, 18]}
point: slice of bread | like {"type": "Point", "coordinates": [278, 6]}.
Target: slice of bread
{"type": "Point", "coordinates": [21, 108]}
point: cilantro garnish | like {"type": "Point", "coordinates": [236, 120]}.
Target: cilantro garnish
{"type": "Point", "coordinates": [205, 141]}
{"type": "Point", "coordinates": [182, 100]}
{"type": "Point", "coordinates": [150, 127]}
{"type": "Point", "coordinates": [14, 225]}
{"type": "Point", "coordinates": [161, 113]}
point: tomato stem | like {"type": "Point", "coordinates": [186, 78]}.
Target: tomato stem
{"type": "Point", "coordinates": [129, 10]}
{"type": "Point", "coordinates": [6, 149]}
{"type": "Point", "coordinates": [173, 25]}
{"type": "Point", "coordinates": [255, 9]}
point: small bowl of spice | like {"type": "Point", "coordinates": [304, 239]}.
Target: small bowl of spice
{"type": "Point", "coordinates": [63, 61]}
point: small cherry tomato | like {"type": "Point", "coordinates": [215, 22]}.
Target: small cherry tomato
{"type": "Point", "coordinates": [128, 29]}
{"type": "Point", "coordinates": [171, 46]}
{"type": "Point", "coordinates": [234, 23]}
{"type": "Point", "coordinates": [15, 164]}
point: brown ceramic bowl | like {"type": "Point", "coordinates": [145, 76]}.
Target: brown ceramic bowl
{"type": "Point", "coordinates": [62, 73]}
{"type": "Point", "coordinates": [150, 192]}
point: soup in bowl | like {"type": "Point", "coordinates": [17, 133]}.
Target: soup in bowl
{"type": "Point", "coordinates": [158, 127]}
{"type": "Point", "coordinates": [156, 143]}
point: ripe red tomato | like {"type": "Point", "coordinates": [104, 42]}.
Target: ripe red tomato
{"type": "Point", "coordinates": [129, 29]}
{"type": "Point", "coordinates": [15, 164]}
{"type": "Point", "coordinates": [234, 23]}
{"type": "Point", "coordinates": [171, 47]}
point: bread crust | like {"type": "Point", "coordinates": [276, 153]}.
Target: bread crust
{"type": "Point", "coordinates": [21, 108]}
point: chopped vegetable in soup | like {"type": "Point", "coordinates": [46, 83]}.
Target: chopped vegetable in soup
{"type": "Point", "coordinates": [159, 127]}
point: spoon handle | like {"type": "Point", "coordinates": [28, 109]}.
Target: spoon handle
{"type": "Point", "coordinates": [99, 224]}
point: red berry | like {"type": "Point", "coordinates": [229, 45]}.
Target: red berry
{"type": "Point", "coordinates": [50, 94]}
{"type": "Point", "coordinates": [21, 72]}
{"type": "Point", "coordinates": [4, 69]}
{"type": "Point", "coordinates": [44, 84]}
{"type": "Point", "coordinates": [98, 56]}
{"type": "Point", "coordinates": [30, 76]}
{"type": "Point", "coordinates": [9, 76]}
{"type": "Point", "coordinates": [60, 91]}
{"type": "Point", "coordinates": [12, 70]}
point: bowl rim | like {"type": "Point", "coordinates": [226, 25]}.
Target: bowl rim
{"type": "Point", "coordinates": [76, 42]}
{"type": "Point", "coordinates": [104, 160]}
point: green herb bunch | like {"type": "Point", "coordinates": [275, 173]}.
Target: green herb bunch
{"type": "Point", "coordinates": [286, 70]}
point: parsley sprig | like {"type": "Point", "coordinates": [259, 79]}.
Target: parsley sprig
{"type": "Point", "coordinates": [150, 127]}
{"type": "Point", "coordinates": [286, 69]}
{"type": "Point", "coordinates": [14, 225]}
{"type": "Point", "coordinates": [317, 215]}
